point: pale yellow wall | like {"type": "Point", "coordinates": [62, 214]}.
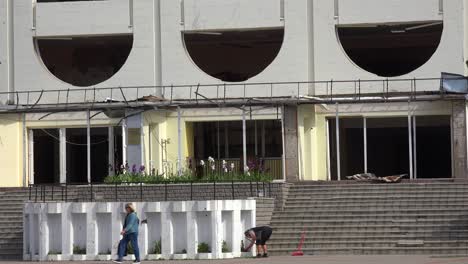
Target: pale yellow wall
{"type": "Point", "coordinates": [11, 144]}
{"type": "Point", "coordinates": [306, 133]}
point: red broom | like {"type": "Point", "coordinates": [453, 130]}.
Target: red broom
{"type": "Point", "coordinates": [299, 252]}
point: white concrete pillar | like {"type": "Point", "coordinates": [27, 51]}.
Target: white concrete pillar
{"type": "Point", "coordinates": [192, 234]}
{"type": "Point", "coordinates": [33, 225]}
{"type": "Point", "coordinates": [217, 231]}
{"type": "Point", "coordinates": [63, 154]}
{"type": "Point", "coordinates": [91, 232]}
{"type": "Point", "coordinates": [237, 233]}
{"type": "Point", "coordinates": [116, 227]}
{"type": "Point", "coordinates": [67, 243]}
{"type": "Point", "coordinates": [43, 233]}
{"type": "Point", "coordinates": [167, 233]}
{"type": "Point", "coordinates": [143, 230]}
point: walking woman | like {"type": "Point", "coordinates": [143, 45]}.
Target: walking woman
{"type": "Point", "coordinates": [130, 234]}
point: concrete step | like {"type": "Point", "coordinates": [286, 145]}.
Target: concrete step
{"type": "Point", "coordinates": [366, 221]}
{"type": "Point", "coordinates": [380, 227]}
{"type": "Point", "coordinates": [373, 211]}
{"type": "Point", "coordinates": [459, 205]}
{"type": "Point", "coordinates": [379, 195]}
{"type": "Point", "coordinates": [373, 251]}
{"type": "Point", "coordinates": [342, 238]}
{"type": "Point", "coordinates": [373, 243]}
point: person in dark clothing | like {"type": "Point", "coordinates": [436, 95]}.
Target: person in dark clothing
{"type": "Point", "coordinates": [259, 235]}
{"type": "Point", "coordinates": [130, 234]}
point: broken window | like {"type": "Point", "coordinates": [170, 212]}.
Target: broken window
{"type": "Point", "coordinates": [84, 61]}
{"type": "Point", "coordinates": [388, 147]}
{"type": "Point", "coordinates": [390, 50]}
{"type": "Point", "coordinates": [234, 56]}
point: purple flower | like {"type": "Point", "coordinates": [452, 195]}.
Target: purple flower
{"type": "Point", "coordinates": [134, 169]}
{"type": "Point", "coordinates": [142, 168]}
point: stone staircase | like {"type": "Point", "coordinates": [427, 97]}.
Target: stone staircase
{"type": "Point", "coordinates": [11, 223]}
{"type": "Point", "coordinates": [404, 218]}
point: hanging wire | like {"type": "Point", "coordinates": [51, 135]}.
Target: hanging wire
{"type": "Point", "coordinates": [73, 143]}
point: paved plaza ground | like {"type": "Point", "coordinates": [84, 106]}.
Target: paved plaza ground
{"type": "Point", "coordinates": [309, 260]}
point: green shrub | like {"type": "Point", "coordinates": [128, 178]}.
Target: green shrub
{"type": "Point", "coordinates": [157, 247]}
{"type": "Point", "coordinates": [130, 250]}
{"type": "Point", "coordinates": [224, 247]}
{"type": "Point", "coordinates": [77, 250]}
{"type": "Point", "coordinates": [54, 252]}
{"type": "Point", "coordinates": [203, 248]}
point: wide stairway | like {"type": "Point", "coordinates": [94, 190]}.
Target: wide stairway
{"type": "Point", "coordinates": [403, 218]}
{"type": "Point", "coordinates": [11, 223]}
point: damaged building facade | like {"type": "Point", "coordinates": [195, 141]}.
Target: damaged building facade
{"type": "Point", "coordinates": [317, 90]}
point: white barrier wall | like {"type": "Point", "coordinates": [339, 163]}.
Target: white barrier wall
{"type": "Point", "coordinates": [91, 231]}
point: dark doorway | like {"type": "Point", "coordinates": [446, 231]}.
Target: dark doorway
{"type": "Point", "coordinates": [46, 156]}
{"type": "Point", "coordinates": [76, 155]}
{"type": "Point", "coordinates": [390, 50]}
{"type": "Point", "coordinates": [99, 154]}
{"type": "Point", "coordinates": [234, 56]}
{"type": "Point", "coordinates": [433, 147]}
{"type": "Point", "coordinates": [388, 146]}
{"type": "Point", "coordinates": [84, 61]}
{"type": "Point", "coordinates": [351, 146]}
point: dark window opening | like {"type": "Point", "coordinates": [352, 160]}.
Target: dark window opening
{"type": "Point", "coordinates": [351, 146]}
{"type": "Point", "coordinates": [76, 155]}
{"type": "Point", "coordinates": [223, 140]}
{"type": "Point", "coordinates": [46, 156]}
{"type": "Point", "coordinates": [390, 50]}
{"type": "Point", "coordinates": [234, 56]}
{"type": "Point", "coordinates": [84, 61]}
{"type": "Point", "coordinates": [433, 146]}
{"type": "Point", "coordinates": [77, 159]}
{"type": "Point", "coordinates": [387, 146]}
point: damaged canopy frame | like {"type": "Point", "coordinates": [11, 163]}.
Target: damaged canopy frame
{"type": "Point", "coordinates": [227, 95]}
{"type": "Point", "coordinates": [242, 96]}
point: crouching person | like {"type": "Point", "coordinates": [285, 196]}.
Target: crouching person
{"type": "Point", "coordinates": [259, 235]}
{"type": "Point", "coordinates": [130, 234]}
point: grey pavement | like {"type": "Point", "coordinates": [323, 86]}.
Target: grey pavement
{"type": "Point", "coordinates": [304, 260]}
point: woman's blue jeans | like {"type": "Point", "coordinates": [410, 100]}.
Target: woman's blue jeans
{"type": "Point", "coordinates": [132, 238]}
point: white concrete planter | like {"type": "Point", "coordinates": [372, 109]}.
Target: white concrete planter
{"type": "Point", "coordinates": [179, 256]}
{"type": "Point", "coordinates": [228, 255]}
{"type": "Point", "coordinates": [129, 257]}
{"type": "Point", "coordinates": [103, 208]}
{"type": "Point", "coordinates": [153, 207]}
{"type": "Point", "coordinates": [78, 257]}
{"type": "Point", "coordinates": [57, 257]}
{"type": "Point", "coordinates": [54, 208]}
{"type": "Point", "coordinates": [78, 208]}
{"type": "Point", "coordinates": [247, 255]}
{"type": "Point", "coordinates": [154, 256]}
{"type": "Point", "coordinates": [204, 256]}
{"type": "Point", "coordinates": [103, 257]}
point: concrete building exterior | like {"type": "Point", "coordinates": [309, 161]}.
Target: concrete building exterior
{"type": "Point", "coordinates": [318, 90]}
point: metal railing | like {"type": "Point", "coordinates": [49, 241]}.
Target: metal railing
{"type": "Point", "coordinates": [95, 192]}
{"type": "Point", "coordinates": [217, 94]}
